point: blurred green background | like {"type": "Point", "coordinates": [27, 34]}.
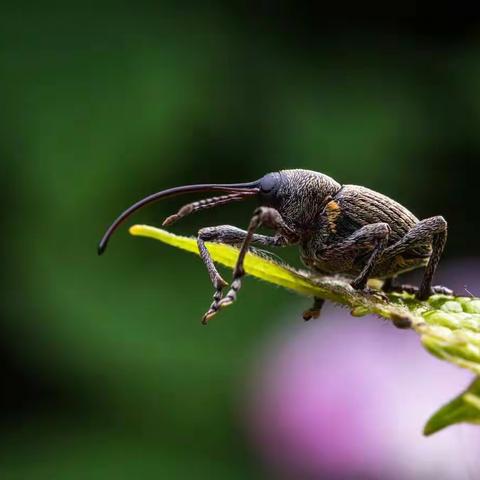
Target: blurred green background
{"type": "Point", "coordinates": [106, 371]}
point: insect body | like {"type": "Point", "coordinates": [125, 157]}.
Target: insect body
{"type": "Point", "coordinates": [340, 229]}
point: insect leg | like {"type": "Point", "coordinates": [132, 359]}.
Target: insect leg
{"type": "Point", "coordinates": [314, 310]}
{"type": "Point", "coordinates": [431, 231]}
{"type": "Point", "coordinates": [376, 235]}
{"type": "Point", "coordinates": [390, 286]}
{"type": "Point", "coordinates": [201, 205]}
{"type": "Point", "coordinates": [407, 288]}
{"type": "Point", "coordinates": [231, 236]}
{"type": "Point", "coordinates": [269, 217]}
{"type": "Point", "coordinates": [343, 255]}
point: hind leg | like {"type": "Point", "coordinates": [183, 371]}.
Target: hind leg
{"type": "Point", "coordinates": [390, 286]}
{"type": "Point", "coordinates": [431, 231]}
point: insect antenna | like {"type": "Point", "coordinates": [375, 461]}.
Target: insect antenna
{"type": "Point", "coordinates": [202, 205]}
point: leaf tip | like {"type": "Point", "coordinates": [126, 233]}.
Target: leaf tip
{"type": "Point", "coordinates": [430, 428]}
{"type": "Point", "coordinates": [135, 230]}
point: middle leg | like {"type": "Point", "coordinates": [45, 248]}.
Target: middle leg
{"type": "Point", "coordinates": [314, 310]}
{"type": "Point", "coordinates": [341, 257]}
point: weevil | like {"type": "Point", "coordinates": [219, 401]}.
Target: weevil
{"type": "Point", "coordinates": [339, 229]}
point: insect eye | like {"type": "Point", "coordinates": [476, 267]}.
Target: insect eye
{"type": "Point", "coordinates": [269, 183]}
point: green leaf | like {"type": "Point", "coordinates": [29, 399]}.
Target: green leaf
{"type": "Point", "coordinates": [464, 408]}
{"type": "Point", "coordinates": [449, 327]}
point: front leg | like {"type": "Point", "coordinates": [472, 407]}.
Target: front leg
{"type": "Point", "coordinates": [269, 217]}
{"type": "Point", "coordinates": [231, 236]}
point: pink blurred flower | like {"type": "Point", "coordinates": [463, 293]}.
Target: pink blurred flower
{"type": "Point", "coordinates": [345, 397]}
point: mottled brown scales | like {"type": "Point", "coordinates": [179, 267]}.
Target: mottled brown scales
{"type": "Point", "coordinates": [365, 206]}
{"type": "Point", "coordinates": [333, 211]}
{"type": "Point", "coordinates": [348, 230]}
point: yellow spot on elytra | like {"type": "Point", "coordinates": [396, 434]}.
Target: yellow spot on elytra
{"type": "Point", "coordinates": [333, 212]}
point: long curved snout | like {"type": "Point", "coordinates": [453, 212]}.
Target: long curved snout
{"type": "Point", "coordinates": [241, 189]}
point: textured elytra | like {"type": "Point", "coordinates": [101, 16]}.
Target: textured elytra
{"type": "Point", "coordinates": [353, 230]}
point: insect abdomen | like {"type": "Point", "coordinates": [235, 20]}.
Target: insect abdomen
{"type": "Point", "coordinates": [361, 206]}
